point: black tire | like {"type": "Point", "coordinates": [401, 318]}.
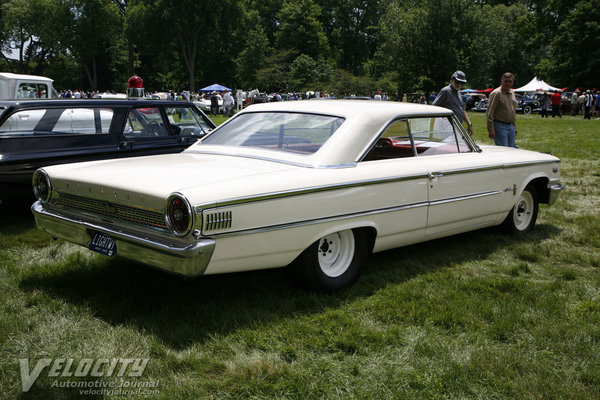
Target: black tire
{"type": "Point", "coordinates": [527, 110]}
{"type": "Point", "coordinates": [521, 218]}
{"type": "Point", "coordinates": [331, 263]}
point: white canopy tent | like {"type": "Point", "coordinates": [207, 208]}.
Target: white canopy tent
{"type": "Point", "coordinates": [537, 85]}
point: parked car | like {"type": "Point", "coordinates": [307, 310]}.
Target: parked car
{"type": "Point", "coordinates": [470, 99]}
{"type": "Point", "coordinates": [480, 105]}
{"type": "Point", "coordinates": [261, 98]}
{"type": "Point", "coordinates": [46, 132]}
{"type": "Point", "coordinates": [316, 186]}
{"type": "Point", "coordinates": [204, 103]}
{"type": "Point", "coordinates": [529, 103]}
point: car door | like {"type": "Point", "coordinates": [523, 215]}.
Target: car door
{"type": "Point", "coordinates": [146, 132]}
{"type": "Point", "coordinates": [464, 186]}
{"type": "Point", "coordinates": [400, 200]}
{"type": "Point", "coordinates": [188, 124]}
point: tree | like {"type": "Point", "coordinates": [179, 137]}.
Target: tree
{"type": "Point", "coordinates": [575, 47]}
{"type": "Point", "coordinates": [252, 57]}
{"type": "Point", "coordinates": [300, 29]}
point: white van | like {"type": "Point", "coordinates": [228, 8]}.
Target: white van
{"type": "Point", "coordinates": [16, 86]}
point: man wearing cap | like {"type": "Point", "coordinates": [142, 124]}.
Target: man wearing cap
{"type": "Point", "coordinates": [501, 114]}
{"type": "Point", "coordinates": [450, 97]}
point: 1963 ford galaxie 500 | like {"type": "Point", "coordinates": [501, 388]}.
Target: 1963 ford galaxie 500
{"type": "Point", "coordinates": [313, 185]}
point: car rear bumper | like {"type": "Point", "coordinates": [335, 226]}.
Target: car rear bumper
{"type": "Point", "coordinates": [190, 260]}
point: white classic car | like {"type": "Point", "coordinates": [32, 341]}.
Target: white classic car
{"type": "Point", "coordinates": [313, 185]}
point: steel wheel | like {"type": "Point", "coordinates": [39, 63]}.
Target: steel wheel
{"type": "Point", "coordinates": [332, 262]}
{"type": "Point", "coordinates": [523, 211]}
{"type": "Point", "coordinates": [521, 219]}
{"type": "Point", "coordinates": [335, 253]}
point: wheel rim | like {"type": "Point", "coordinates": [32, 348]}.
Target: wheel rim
{"type": "Point", "coordinates": [335, 253]}
{"type": "Point", "coordinates": [523, 213]}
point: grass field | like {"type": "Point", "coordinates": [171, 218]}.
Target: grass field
{"type": "Point", "coordinates": [476, 316]}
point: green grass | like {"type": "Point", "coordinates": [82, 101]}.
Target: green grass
{"type": "Point", "coordinates": [476, 316]}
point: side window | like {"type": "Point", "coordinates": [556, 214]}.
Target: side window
{"type": "Point", "coordinates": [84, 120]}
{"type": "Point", "coordinates": [32, 91]}
{"type": "Point", "coordinates": [58, 121]}
{"type": "Point", "coordinates": [437, 135]}
{"type": "Point", "coordinates": [145, 122]}
{"type": "Point", "coordinates": [393, 143]}
{"type": "Point", "coordinates": [188, 121]}
{"type": "Point", "coordinates": [21, 123]}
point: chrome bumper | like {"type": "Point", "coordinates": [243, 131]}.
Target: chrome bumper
{"type": "Point", "coordinates": [555, 190]}
{"type": "Point", "coordinates": [189, 260]}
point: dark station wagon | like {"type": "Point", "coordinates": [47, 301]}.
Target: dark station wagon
{"type": "Point", "coordinates": [38, 133]}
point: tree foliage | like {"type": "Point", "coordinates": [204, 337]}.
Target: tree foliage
{"type": "Point", "coordinates": [352, 46]}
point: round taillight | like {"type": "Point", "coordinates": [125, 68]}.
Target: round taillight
{"type": "Point", "coordinates": [179, 214]}
{"type": "Point", "coordinates": [42, 189]}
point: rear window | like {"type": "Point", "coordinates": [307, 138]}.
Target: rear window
{"type": "Point", "coordinates": [58, 121]}
{"type": "Point", "coordinates": [280, 131]}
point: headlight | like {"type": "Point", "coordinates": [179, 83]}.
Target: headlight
{"type": "Point", "coordinates": [179, 214]}
{"type": "Point", "coordinates": [42, 188]}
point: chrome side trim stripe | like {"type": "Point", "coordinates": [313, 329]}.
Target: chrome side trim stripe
{"type": "Point", "coordinates": [310, 190]}
{"type": "Point", "coordinates": [468, 197]}
{"type": "Point", "coordinates": [317, 220]}
{"type": "Point", "coordinates": [353, 215]}
{"type": "Point", "coordinates": [317, 189]}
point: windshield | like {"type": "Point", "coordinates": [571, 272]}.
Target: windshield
{"type": "Point", "coordinates": [281, 131]}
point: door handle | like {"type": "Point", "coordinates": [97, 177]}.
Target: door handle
{"type": "Point", "coordinates": [433, 175]}
{"type": "Point", "coordinates": [125, 144]}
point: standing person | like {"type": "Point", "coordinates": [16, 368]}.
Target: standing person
{"type": "Point", "coordinates": [377, 96]}
{"type": "Point", "coordinates": [574, 98]}
{"type": "Point", "coordinates": [555, 100]}
{"type": "Point", "coordinates": [501, 114]}
{"type": "Point", "coordinates": [227, 104]}
{"type": "Point", "coordinates": [214, 104]}
{"type": "Point", "coordinates": [587, 104]}
{"type": "Point", "coordinates": [544, 105]}
{"type": "Point", "coordinates": [450, 97]}
{"type": "Point", "coordinates": [580, 105]}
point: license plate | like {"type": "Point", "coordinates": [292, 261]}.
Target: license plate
{"type": "Point", "coordinates": [103, 244]}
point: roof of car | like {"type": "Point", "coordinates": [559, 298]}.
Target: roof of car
{"type": "Point", "coordinates": [41, 103]}
{"type": "Point", "coordinates": [349, 108]}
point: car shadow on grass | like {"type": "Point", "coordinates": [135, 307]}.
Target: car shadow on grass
{"type": "Point", "coordinates": [16, 218]}
{"type": "Point", "coordinates": [184, 312]}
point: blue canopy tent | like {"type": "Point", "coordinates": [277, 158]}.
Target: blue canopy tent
{"type": "Point", "coordinates": [215, 88]}
{"type": "Point", "coordinates": [469, 91]}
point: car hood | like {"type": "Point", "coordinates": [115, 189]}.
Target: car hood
{"type": "Point", "coordinates": [147, 181]}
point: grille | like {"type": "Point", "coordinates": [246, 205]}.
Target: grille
{"type": "Point", "coordinates": [113, 211]}
{"type": "Point", "coordinates": [217, 220]}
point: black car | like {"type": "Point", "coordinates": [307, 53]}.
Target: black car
{"type": "Point", "coordinates": [36, 133]}
{"type": "Point", "coordinates": [529, 103]}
